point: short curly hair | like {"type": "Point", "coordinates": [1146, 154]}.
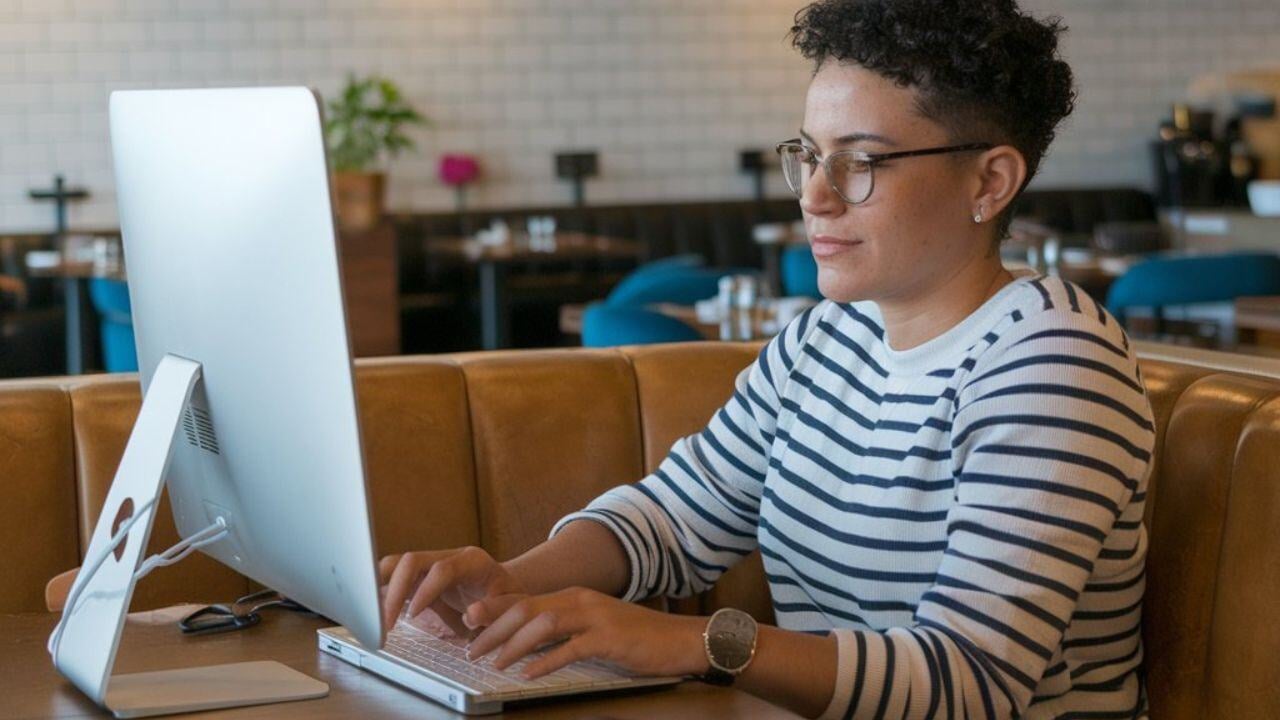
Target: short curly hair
{"type": "Point", "coordinates": [983, 69]}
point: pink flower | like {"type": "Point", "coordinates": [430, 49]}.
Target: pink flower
{"type": "Point", "coordinates": [458, 169]}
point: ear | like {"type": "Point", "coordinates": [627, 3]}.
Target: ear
{"type": "Point", "coordinates": [1001, 172]}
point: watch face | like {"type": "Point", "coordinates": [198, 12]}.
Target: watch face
{"type": "Point", "coordinates": [731, 639]}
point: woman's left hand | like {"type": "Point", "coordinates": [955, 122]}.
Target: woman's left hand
{"type": "Point", "coordinates": [593, 626]}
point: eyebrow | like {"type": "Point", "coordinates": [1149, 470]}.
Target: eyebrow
{"type": "Point", "coordinates": [852, 138]}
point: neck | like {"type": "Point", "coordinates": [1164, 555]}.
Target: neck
{"type": "Point", "coordinates": [914, 319]}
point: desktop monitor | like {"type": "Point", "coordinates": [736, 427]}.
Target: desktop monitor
{"type": "Point", "coordinates": [243, 349]}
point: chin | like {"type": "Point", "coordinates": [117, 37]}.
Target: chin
{"type": "Point", "coordinates": [842, 287]}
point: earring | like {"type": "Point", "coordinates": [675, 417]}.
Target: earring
{"type": "Point", "coordinates": [977, 217]}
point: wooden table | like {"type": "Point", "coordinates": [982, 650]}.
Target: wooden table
{"type": "Point", "coordinates": [371, 287]}
{"type": "Point", "coordinates": [75, 278]}
{"type": "Point", "coordinates": [1258, 321]}
{"type": "Point", "coordinates": [492, 260]}
{"type": "Point", "coordinates": [30, 687]}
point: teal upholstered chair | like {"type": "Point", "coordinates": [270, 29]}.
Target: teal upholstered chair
{"type": "Point", "coordinates": [622, 317]}
{"type": "Point", "coordinates": [1171, 281]}
{"type": "Point", "coordinates": [799, 272]}
{"type": "Point", "coordinates": [111, 300]}
{"type": "Point", "coordinates": [604, 325]}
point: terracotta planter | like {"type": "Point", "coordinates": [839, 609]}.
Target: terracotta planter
{"type": "Point", "coordinates": [360, 197]}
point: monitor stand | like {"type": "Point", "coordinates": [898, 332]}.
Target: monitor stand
{"type": "Point", "coordinates": [86, 650]}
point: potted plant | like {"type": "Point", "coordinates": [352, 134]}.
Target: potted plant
{"type": "Point", "coordinates": [364, 126]}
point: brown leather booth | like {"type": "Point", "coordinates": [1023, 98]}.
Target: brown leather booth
{"type": "Point", "coordinates": [491, 449]}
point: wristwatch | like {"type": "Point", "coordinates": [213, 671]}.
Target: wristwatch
{"type": "Point", "coordinates": [730, 642]}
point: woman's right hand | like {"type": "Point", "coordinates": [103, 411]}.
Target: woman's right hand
{"type": "Point", "coordinates": [446, 582]}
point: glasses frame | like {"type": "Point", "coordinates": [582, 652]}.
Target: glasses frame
{"type": "Point", "coordinates": [871, 159]}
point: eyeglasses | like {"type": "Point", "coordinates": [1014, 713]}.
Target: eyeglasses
{"type": "Point", "coordinates": [851, 173]}
{"type": "Point", "coordinates": [224, 618]}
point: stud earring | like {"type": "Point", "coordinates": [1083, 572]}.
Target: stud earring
{"type": "Point", "coordinates": [977, 217]}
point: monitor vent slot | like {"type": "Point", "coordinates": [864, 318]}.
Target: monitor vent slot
{"type": "Point", "coordinates": [199, 429]}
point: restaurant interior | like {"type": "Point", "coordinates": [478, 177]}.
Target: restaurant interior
{"type": "Point", "coordinates": [589, 174]}
{"type": "Point", "coordinates": [514, 180]}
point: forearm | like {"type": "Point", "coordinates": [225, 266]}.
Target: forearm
{"type": "Point", "coordinates": [792, 669]}
{"type": "Point", "coordinates": [583, 554]}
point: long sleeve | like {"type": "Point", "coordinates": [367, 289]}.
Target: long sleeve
{"type": "Point", "coordinates": [692, 519]}
{"type": "Point", "coordinates": [1051, 446]}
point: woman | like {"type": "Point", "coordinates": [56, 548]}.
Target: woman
{"type": "Point", "coordinates": [943, 465]}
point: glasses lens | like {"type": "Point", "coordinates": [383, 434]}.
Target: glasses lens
{"type": "Point", "coordinates": [795, 167]}
{"type": "Point", "coordinates": [851, 176]}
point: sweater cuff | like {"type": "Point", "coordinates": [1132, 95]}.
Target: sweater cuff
{"type": "Point", "coordinates": [846, 657]}
{"type": "Point", "coordinates": [634, 592]}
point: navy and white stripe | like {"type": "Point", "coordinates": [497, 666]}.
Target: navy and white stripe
{"type": "Point", "coordinates": [966, 516]}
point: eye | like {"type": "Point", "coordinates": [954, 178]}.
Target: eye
{"type": "Point", "coordinates": [854, 164]}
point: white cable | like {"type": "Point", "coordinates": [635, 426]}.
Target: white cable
{"type": "Point", "coordinates": [88, 570]}
{"type": "Point", "coordinates": [207, 536]}
{"type": "Point", "coordinates": [184, 547]}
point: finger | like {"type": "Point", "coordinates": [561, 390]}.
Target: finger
{"type": "Point", "coordinates": [428, 622]}
{"type": "Point", "coordinates": [504, 627]}
{"type": "Point", "coordinates": [451, 618]}
{"type": "Point", "coordinates": [484, 611]}
{"type": "Point", "coordinates": [440, 576]}
{"type": "Point", "coordinates": [542, 629]}
{"type": "Point", "coordinates": [404, 578]}
{"type": "Point", "coordinates": [386, 565]}
{"type": "Point", "coordinates": [558, 657]}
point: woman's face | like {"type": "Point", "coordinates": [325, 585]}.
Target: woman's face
{"type": "Point", "coordinates": [917, 226]}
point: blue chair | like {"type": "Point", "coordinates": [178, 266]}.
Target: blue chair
{"type": "Point", "coordinates": [1161, 282]}
{"type": "Point", "coordinates": [605, 325]}
{"type": "Point", "coordinates": [622, 318]}
{"type": "Point", "coordinates": [800, 272]}
{"type": "Point", "coordinates": [111, 300]}
{"type": "Point", "coordinates": [678, 279]}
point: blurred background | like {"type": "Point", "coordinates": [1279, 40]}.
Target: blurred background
{"type": "Point", "coordinates": [521, 173]}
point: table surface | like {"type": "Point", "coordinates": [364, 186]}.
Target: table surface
{"type": "Point", "coordinates": [566, 246]}
{"type": "Point", "coordinates": [30, 687]}
{"type": "Point", "coordinates": [81, 270]}
{"type": "Point", "coordinates": [1258, 313]}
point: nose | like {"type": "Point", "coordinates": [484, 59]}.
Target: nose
{"type": "Point", "coordinates": [817, 197]}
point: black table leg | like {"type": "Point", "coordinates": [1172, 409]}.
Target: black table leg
{"type": "Point", "coordinates": [772, 255]}
{"type": "Point", "coordinates": [493, 307]}
{"type": "Point", "coordinates": [75, 316]}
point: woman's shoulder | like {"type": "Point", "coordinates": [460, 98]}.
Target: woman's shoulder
{"type": "Point", "coordinates": [1055, 329]}
{"type": "Point", "coordinates": [1049, 306]}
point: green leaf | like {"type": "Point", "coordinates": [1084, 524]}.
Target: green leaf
{"type": "Point", "coordinates": [365, 121]}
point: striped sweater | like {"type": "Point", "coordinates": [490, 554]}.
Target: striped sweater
{"type": "Point", "coordinates": [965, 516]}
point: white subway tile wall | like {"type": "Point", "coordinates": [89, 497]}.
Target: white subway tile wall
{"type": "Point", "coordinates": [667, 91]}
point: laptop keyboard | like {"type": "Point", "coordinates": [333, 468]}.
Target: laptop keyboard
{"type": "Point", "coordinates": [447, 658]}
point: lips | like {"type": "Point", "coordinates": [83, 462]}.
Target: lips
{"type": "Point", "coordinates": [829, 245]}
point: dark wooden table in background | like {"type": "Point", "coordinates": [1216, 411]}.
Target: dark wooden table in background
{"type": "Point", "coordinates": [80, 315]}
{"type": "Point", "coordinates": [371, 286]}
{"type": "Point", "coordinates": [492, 260]}
{"type": "Point", "coordinates": [1258, 321]}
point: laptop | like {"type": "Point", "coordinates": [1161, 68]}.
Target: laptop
{"type": "Point", "coordinates": [438, 668]}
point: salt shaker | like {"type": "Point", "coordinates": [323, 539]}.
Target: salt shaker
{"type": "Point", "coordinates": [725, 303]}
